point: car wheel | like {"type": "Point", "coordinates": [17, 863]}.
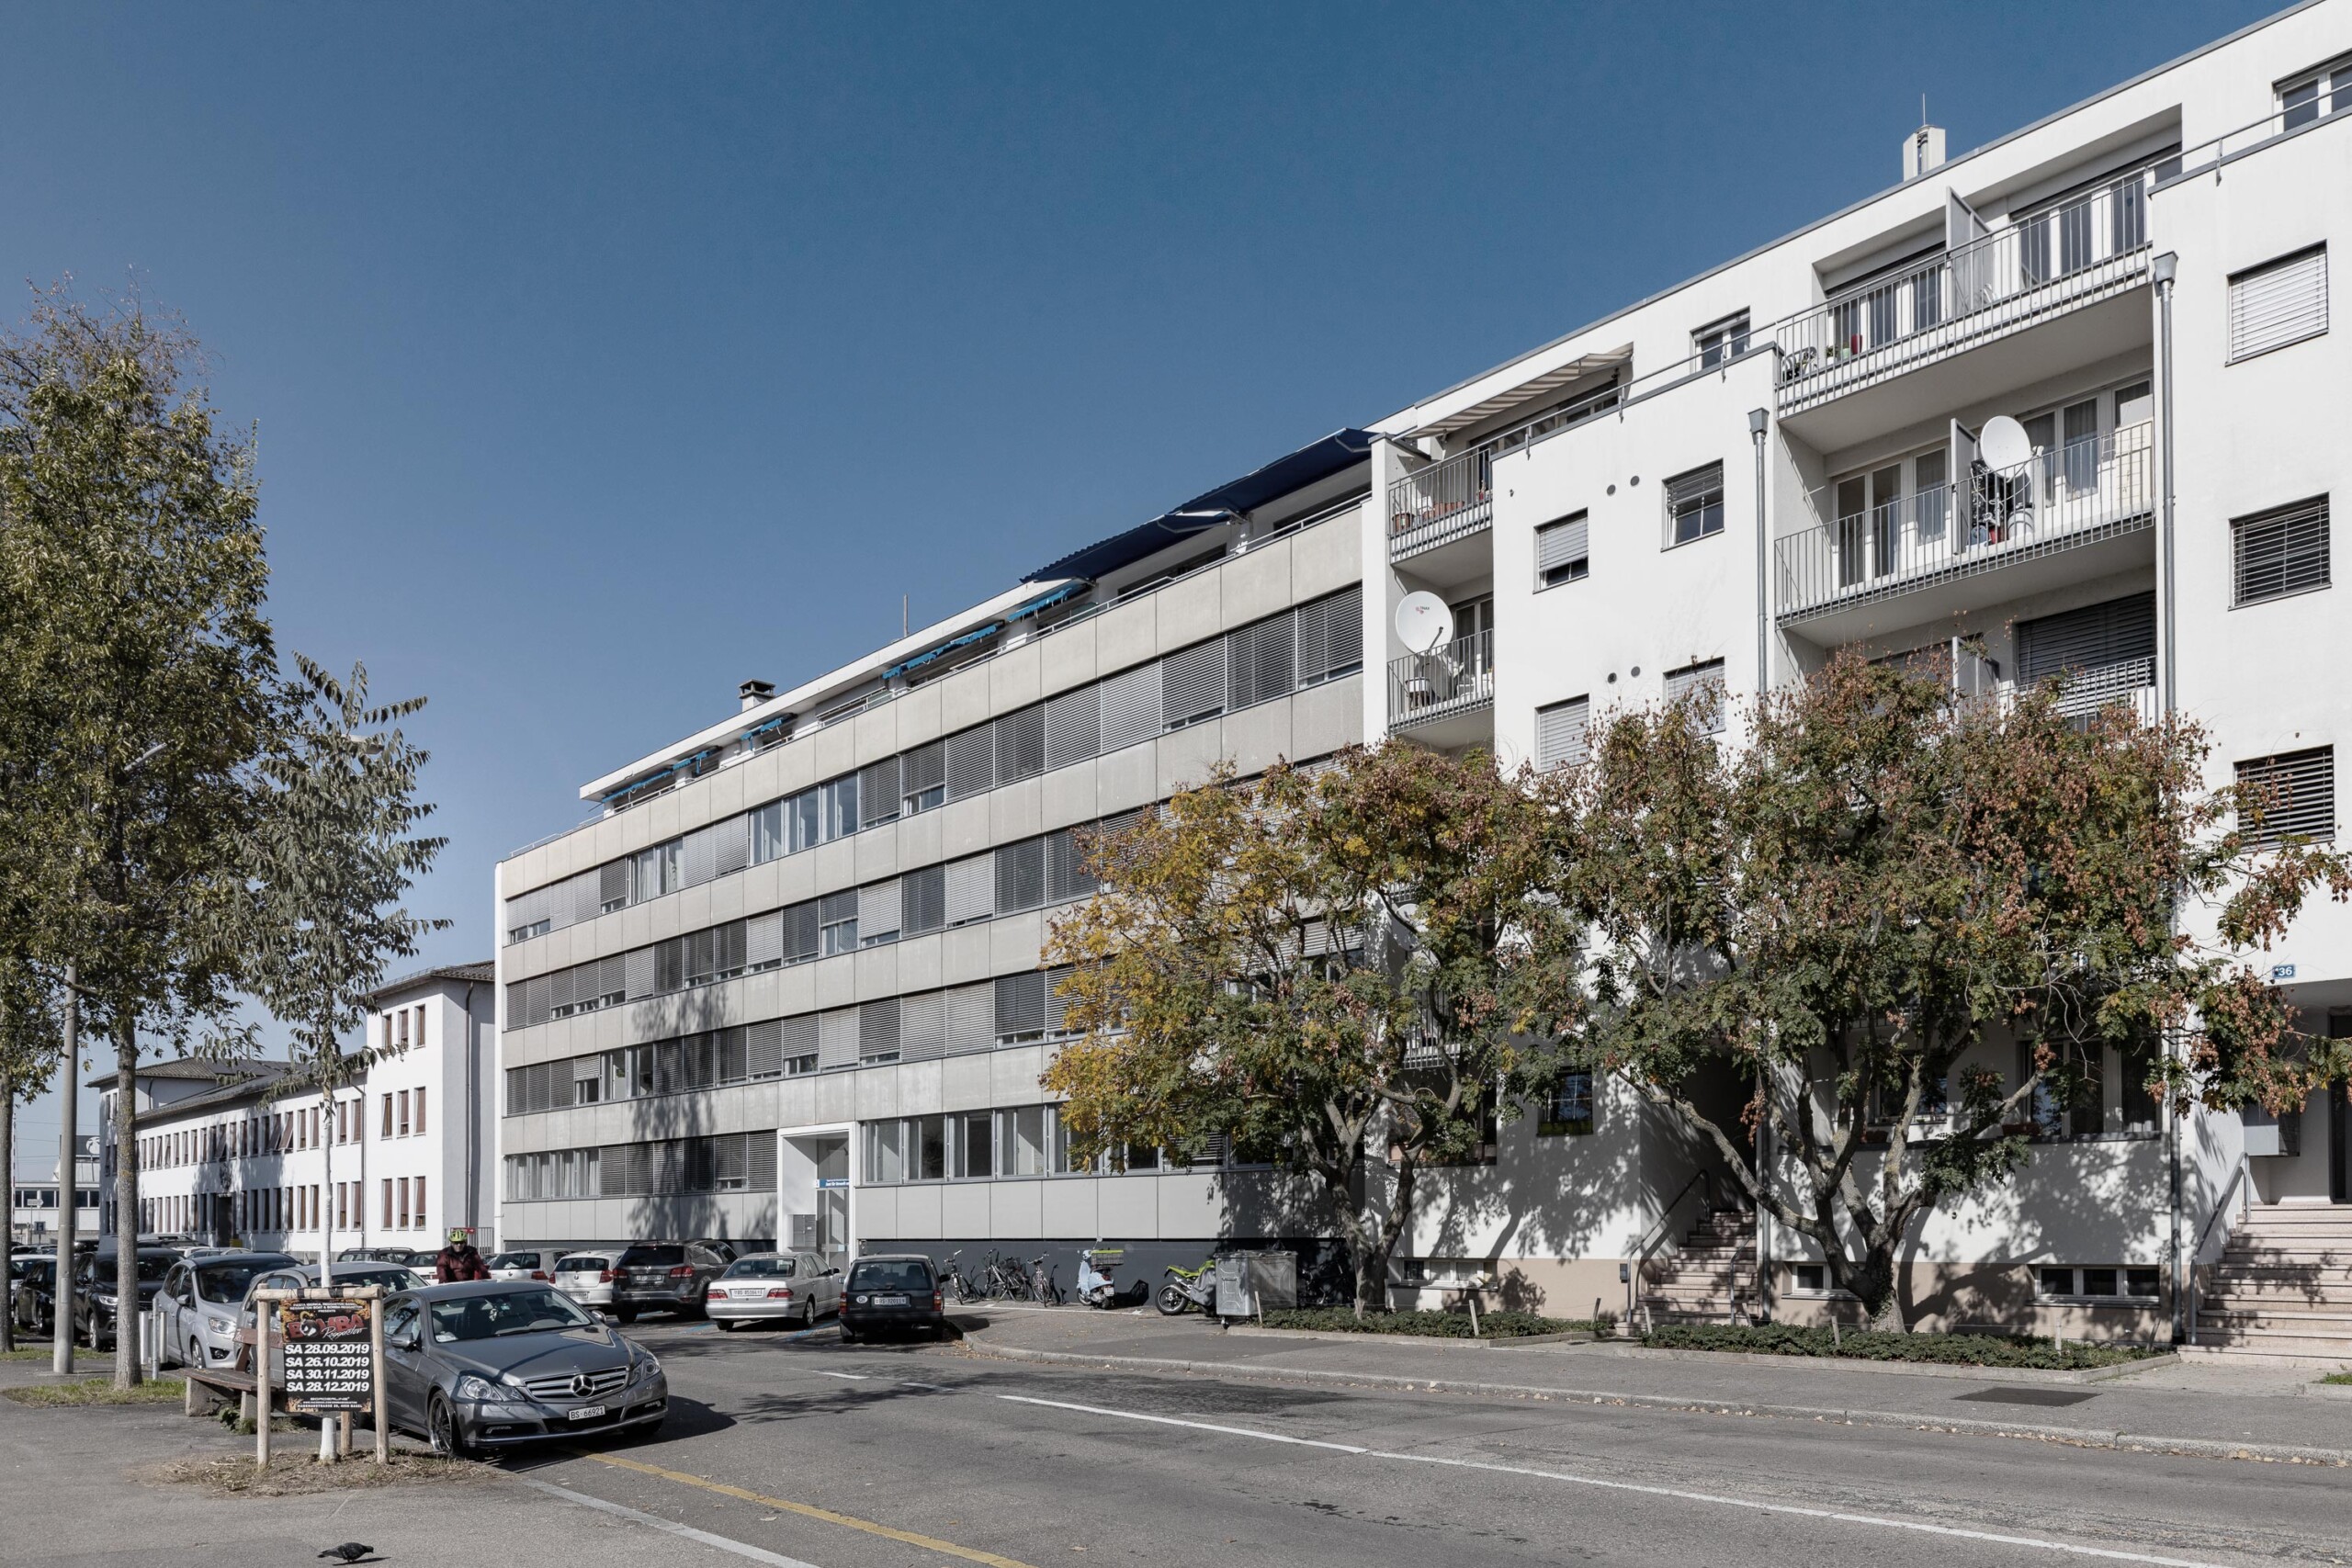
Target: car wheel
{"type": "Point", "coordinates": [195, 1356]}
{"type": "Point", "coordinates": [726, 1326]}
{"type": "Point", "coordinates": [849, 1334]}
{"type": "Point", "coordinates": [441, 1427]}
{"type": "Point", "coordinates": [624, 1316]}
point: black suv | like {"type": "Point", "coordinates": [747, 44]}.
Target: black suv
{"type": "Point", "coordinates": [891, 1293]}
{"type": "Point", "coordinates": [93, 1291]}
{"type": "Point", "coordinates": [666, 1275]}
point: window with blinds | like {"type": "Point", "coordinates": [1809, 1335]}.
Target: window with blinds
{"type": "Point", "coordinates": [2279, 553]}
{"type": "Point", "coordinates": [971, 889]}
{"type": "Point", "coordinates": [1561, 551]}
{"type": "Point", "coordinates": [1564, 733]}
{"type": "Point", "coordinates": [971, 762]}
{"type": "Point", "coordinates": [880, 798]}
{"type": "Point", "coordinates": [2101, 652]}
{"type": "Point", "coordinates": [1020, 744]}
{"type": "Point", "coordinates": [1694, 504]}
{"type": "Point", "coordinates": [1330, 637]}
{"type": "Point", "coordinates": [2289, 797]}
{"type": "Point", "coordinates": [1020, 875]}
{"type": "Point", "coordinates": [1704, 684]}
{"type": "Point", "coordinates": [922, 897]}
{"type": "Point", "coordinates": [923, 777]}
{"type": "Point", "coordinates": [1073, 727]}
{"type": "Point", "coordinates": [2277, 303]}
{"type": "Point", "coordinates": [1191, 686]}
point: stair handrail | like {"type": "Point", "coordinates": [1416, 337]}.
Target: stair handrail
{"type": "Point", "coordinates": [1658, 1233]}
{"type": "Point", "coordinates": [2237, 1179]}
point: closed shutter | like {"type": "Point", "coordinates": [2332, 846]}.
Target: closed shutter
{"type": "Point", "coordinates": [923, 770]}
{"type": "Point", "coordinates": [730, 1159]}
{"type": "Point", "coordinates": [971, 762]}
{"type": "Point", "coordinates": [2277, 303]}
{"type": "Point", "coordinates": [1057, 1006]}
{"type": "Point", "coordinates": [839, 909]}
{"type": "Point", "coordinates": [878, 1031]}
{"type": "Point", "coordinates": [763, 1049]}
{"type": "Point", "coordinates": [1020, 1005]}
{"type": "Point", "coordinates": [837, 1038]}
{"type": "Point", "coordinates": [563, 991]}
{"type": "Point", "coordinates": [612, 978]}
{"type": "Point", "coordinates": [758, 1175]}
{"type": "Point", "coordinates": [1561, 549]}
{"type": "Point", "coordinates": [2295, 797]}
{"type": "Point", "coordinates": [800, 934]}
{"type": "Point", "coordinates": [1020, 875]}
{"type": "Point", "coordinates": [1191, 686]}
{"type": "Point", "coordinates": [2279, 552]}
{"type": "Point", "coordinates": [611, 885]}
{"type": "Point", "coordinates": [518, 997]}
{"type": "Point", "coordinates": [640, 1163]}
{"type": "Point", "coordinates": [1564, 733]}
{"type": "Point", "coordinates": [764, 939]}
{"type": "Point", "coordinates": [731, 940]}
{"type": "Point", "coordinates": [535, 1000]}
{"type": "Point", "coordinates": [799, 1037]}
{"type": "Point", "coordinates": [636, 967]}
{"type": "Point", "coordinates": [877, 910]}
{"type": "Point", "coordinates": [922, 1026]}
{"type": "Point", "coordinates": [2104, 651]}
{"type": "Point", "coordinates": [669, 965]}
{"type": "Point", "coordinates": [1704, 682]}
{"type": "Point", "coordinates": [878, 794]}
{"type": "Point", "coordinates": [1073, 727]}
{"type": "Point", "coordinates": [612, 1170]}
{"type": "Point", "coordinates": [1020, 744]}
{"type": "Point", "coordinates": [730, 845]}
{"type": "Point", "coordinates": [701, 856]}
{"type": "Point", "coordinates": [971, 889]}
{"type": "Point", "coordinates": [1066, 873]}
{"type": "Point", "coordinates": [585, 893]}
{"type": "Point", "coordinates": [971, 1017]}
{"type": "Point", "coordinates": [734, 1062]}
{"type": "Point", "coordinates": [1331, 637]}
{"type": "Point", "coordinates": [1259, 663]}
{"type": "Point", "coordinates": [1130, 706]}
{"type": "Point", "coordinates": [922, 900]}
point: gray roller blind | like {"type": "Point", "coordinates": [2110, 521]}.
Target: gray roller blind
{"type": "Point", "coordinates": [1020, 875]}
{"type": "Point", "coordinates": [837, 1038]}
{"type": "Point", "coordinates": [612, 882]}
{"type": "Point", "coordinates": [922, 1026]}
{"type": "Point", "coordinates": [1191, 686]}
{"type": "Point", "coordinates": [971, 889]}
{"type": "Point", "coordinates": [1057, 1005]}
{"type": "Point", "coordinates": [878, 1031]}
{"type": "Point", "coordinates": [1020, 1005]}
{"type": "Point", "coordinates": [1693, 678]}
{"type": "Point", "coordinates": [700, 856]}
{"type": "Point", "coordinates": [1563, 733]}
{"type": "Point", "coordinates": [2104, 651]}
{"type": "Point", "coordinates": [1331, 637]}
{"type": "Point", "coordinates": [2279, 552]}
{"type": "Point", "coordinates": [878, 906]}
{"type": "Point", "coordinates": [1020, 744]}
{"type": "Point", "coordinates": [2296, 793]}
{"type": "Point", "coordinates": [922, 769]}
{"type": "Point", "coordinates": [971, 762]}
{"type": "Point", "coordinates": [799, 1036]}
{"type": "Point", "coordinates": [759, 1162]}
{"type": "Point", "coordinates": [586, 896]}
{"type": "Point", "coordinates": [764, 939]}
{"type": "Point", "coordinates": [1131, 707]}
{"type": "Point", "coordinates": [800, 935]}
{"type": "Point", "coordinates": [637, 969]}
{"type": "Point", "coordinates": [879, 793]}
{"type": "Point", "coordinates": [1259, 662]}
{"type": "Point", "coordinates": [763, 1049]}
{"type": "Point", "coordinates": [922, 900]}
{"type": "Point", "coordinates": [1073, 727]}
{"type": "Point", "coordinates": [2277, 303]}
{"type": "Point", "coordinates": [730, 845]}
{"type": "Point", "coordinates": [1562, 546]}
{"type": "Point", "coordinates": [1066, 873]}
{"type": "Point", "coordinates": [971, 1017]}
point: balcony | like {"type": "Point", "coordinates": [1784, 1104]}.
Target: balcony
{"type": "Point", "coordinates": [1443, 697]}
{"type": "Point", "coordinates": [2094, 497]}
{"type": "Point", "coordinates": [1440, 503]}
{"type": "Point", "coordinates": [2046, 267]}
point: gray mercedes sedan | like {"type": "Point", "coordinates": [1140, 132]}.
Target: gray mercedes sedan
{"type": "Point", "coordinates": [495, 1363]}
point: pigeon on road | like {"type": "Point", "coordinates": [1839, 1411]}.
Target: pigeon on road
{"type": "Point", "coordinates": [349, 1552]}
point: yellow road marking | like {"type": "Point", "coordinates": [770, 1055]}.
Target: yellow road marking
{"type": "Point", "coordinates": [808, 1510]}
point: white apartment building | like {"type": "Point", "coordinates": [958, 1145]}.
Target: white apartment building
{"type": "Point", "coordinates": [34, 1199]}
{"type": "Point", "coordinates": [2066, 403]}
{"type": "Point", "coordinates": [234, 1154]}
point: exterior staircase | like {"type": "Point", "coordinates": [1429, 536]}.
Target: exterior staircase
{"type": "Point", "coordinates": [1713, 1276]}
{"type": "Point", "coordinates": [2283, 1287]}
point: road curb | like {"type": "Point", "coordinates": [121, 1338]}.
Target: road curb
{"type": "Point", "coordinates": [2080, 1437]}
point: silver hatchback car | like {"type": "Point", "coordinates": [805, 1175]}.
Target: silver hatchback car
{"type": "Point", "coordinates": [773, 1287]}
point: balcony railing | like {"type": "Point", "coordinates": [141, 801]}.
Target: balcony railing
{"type": "Point", "coordinates": [1457, 678]}
{"type": "Point", "coordinates": [1443, 500]}
{"type": "Point", "coordinates": [2310, 108]}
{"type": "Point", "coordinates": [2070, 495]}
{"type": "Point", "coordinates": [2047, 261]}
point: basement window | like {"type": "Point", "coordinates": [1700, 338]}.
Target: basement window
{"type": "Point", "coordinates": [2065, 1282]}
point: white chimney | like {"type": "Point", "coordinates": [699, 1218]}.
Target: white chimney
{"type": "Point", "coordinates": [751, 694]}
{"type": "Point", "coordinates": [1922, 150]}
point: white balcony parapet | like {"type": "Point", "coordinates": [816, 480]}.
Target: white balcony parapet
{"type": "Point", "coordinates": [1445, 501]}
{"type": "Point", "coordinates": [2050, 262]}
{"type": "Point", "coordinates": [1458, 678]}
{"type": "Point", "coordinates": [2072, 495]}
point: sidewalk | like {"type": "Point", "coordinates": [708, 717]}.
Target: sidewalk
{"type": "Point", "coordinates": [2202, 1408]}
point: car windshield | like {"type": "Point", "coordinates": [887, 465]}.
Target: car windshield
{"type": "Point", "coordinates": [152, 1268]}
{"type": "Point", "coordinates": [228, 1282]}
{"type": "Point", "coordinates": [653, 1256]}
{"type": "Point", "coordinates": [581, 1263]}
{"type": "Point", "coordinates": [391, 1276]}
{"type": "Point", "coordinates": [510, 1311]}
{"type": "Point", "coordinates": [893, 1274]}
{"type": "Point", "coordinates": [516, 1260]}
{"type": "Point", "coordinates": [40, 1273]}
{"type": "Point", "coordinates": [760, 1268]}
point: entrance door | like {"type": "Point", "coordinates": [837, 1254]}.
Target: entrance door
{"type": "Point", "coordinates": [832, 1201]}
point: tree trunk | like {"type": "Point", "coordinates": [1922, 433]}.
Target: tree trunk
{"type": "Point", "coordinates": [8, 1164]}
{"type": "Point", "coordinates": [1882, 1300]}
{"type": "Point", "coordinates": [126, 1204]}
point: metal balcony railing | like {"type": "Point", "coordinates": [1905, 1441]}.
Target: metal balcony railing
{"type": "Point", "coordinates": [1457, 678]}
{"type": "Point", "coordinates": [2040, 264]}
{"type": "Point", "coordinates": [2311, 106]}
{"type": "Point", "coordinates": [1443, 500]}
{"type": "Point", "coordinates": [2070, 495]}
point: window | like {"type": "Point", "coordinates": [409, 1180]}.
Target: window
{"type": "Point", "coordinates": [922, 778]}
{"type": "Point", "coordinates": [404, 1118]}
{"type": "Point", "coordinates": [387, 1114]}
{"type": "Point", "coordinates": [975, 1144]}
{"type": "Point", "coordinates": [1564, 733]}
{"type": "Point", "coordinates": [1719, 340]}
{"type": "Point", "coordinates": [837, 923]}
{"type": "Point", "coordinates": [403, 1185]}
{"type": "Point", "coordinates": [1569, 1108]}
{"type": "Point", "coordinates": [2280, 552]}
{"type": "Point", "coordinates": [2063, 1281]}
{"type": "Point", "coordinates": [1694, 504]}
{"type": "Point", "coordinates": [2316, 94]}
{"type": "Point", "coordinates": [1562, 552]}
{"type": "Point", "coordinates": [420, 1112]}
{"type": "Point", "coordinates": [420, 1200]}
{"type": "Point", "coordinates": [2103, 652]}
{"type": "Point", "coordinates": [2293, 798]}
{"type": "Point", "coordinates": [1704, 684]}
{"type": "Point", "coordinates": [2277, 303]}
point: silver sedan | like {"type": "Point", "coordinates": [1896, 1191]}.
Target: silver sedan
{"type": "Point", "coordinates": [774, 1287]}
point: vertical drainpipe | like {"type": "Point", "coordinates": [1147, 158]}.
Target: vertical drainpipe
{"type": "Point", "coordinates": [2163, 270]}
{"type": "Point", "coordinates": [473, 1115]}
{"type": "Point", "coordinates": [1756, 429]}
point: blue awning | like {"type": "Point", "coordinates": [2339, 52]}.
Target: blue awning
{"type": "Point", "coordinates": [945, 649]}
{"type": "Point", "coordinates": [1048, 601]}
{"type": "Point", "coordinates": [1335, 453]}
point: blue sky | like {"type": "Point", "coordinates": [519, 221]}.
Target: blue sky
{"type": "Point", "coordinates": [601, 357]}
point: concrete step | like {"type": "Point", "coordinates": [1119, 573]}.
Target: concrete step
{"type": "Point", "coordinates": [2238, 1295]}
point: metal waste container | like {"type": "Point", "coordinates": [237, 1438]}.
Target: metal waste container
{"type": "Point", "coordinates": [1250, 1283]}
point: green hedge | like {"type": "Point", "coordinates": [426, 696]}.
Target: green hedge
{"type": "Point", "coordinates": [1854, 1344]}
{"type": "Point", "coordinates": [1431, 1324]}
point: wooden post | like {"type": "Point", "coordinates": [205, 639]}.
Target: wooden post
{"type": "Point", "coordinates": [376, 1379]}
{"type": "Point", "coordinates": [261, 1383]}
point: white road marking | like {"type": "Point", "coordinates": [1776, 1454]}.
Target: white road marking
{"type": "Point", "coordinates": [704, 1538]}
{"type": "Point", "coordinates": [933, 1387]}
{"type": "Point", "coordinates": [848, 1377]}
{"type": "Point", "coordinates": [1753, 1505]}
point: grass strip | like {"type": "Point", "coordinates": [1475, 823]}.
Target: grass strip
{"type": "Point", "coordinates": [1431, 1324]}
{"type": "Point", "coordinates": [1868, 1344]}
{"type": "Point", "coordinates": [99, 1390]}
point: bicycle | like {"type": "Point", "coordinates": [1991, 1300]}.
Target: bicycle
{"type": "Point", "coordinates": [951, 1277]}
{"type": "Point", "coordinates": [1042, 1288]}
{"type": "Point", "coordinates": [1004, 1282]}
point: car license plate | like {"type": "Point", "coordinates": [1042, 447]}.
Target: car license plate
{"type": "Point", "coordinates": [750, 1295]}
{"type": "Point", "coordinates": [889, 1300]}
{"type": "Point", "coordinates": [588, 1412]}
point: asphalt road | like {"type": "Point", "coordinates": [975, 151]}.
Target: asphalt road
{"type": "Point", "coordinates": [806, 1452]}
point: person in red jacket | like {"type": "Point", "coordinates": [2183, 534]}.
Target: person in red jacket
{"type": "Point", "coordinates": [458, 1260]}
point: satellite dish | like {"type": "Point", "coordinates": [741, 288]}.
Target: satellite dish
{"type": "Point", "coordinates": [1424, 622]}
{"type": "Point", "coordinates": [2003, 443]}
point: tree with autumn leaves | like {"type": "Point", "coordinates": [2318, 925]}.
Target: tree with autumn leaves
{"type": "Point", "coordinates": [1905, 922]}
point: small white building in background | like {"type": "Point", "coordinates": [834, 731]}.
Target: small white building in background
{"type": "Point", "coordinates": [233, 1153]}
{"type": "Point", "coordinates": [33, 1198]}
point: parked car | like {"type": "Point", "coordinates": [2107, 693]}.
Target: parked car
{"type": "Point", "coordinates": [666, 1275]}
{"type": "Point", "coordinates": [530, 1263]}
{"type": "Point", "coordinates": [95, 1307]}
{"type": "Point", "coordinates": [587, 1277]}
{"type": "Point", "coordinates": [891, 1293]}
{"type": "Point", "coordinates": [390, 1277]}
{"type": "Point", "coordinates": [203, 1301]}
{"type": "Point", "coordinates": [407, 1254]}
{"type": "Point", "coordinates": [32, 1302]}
{"type": "Point", "coordinates": [491, 1363]}
{"type": "Point", "coordinates": [773, 1287]}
